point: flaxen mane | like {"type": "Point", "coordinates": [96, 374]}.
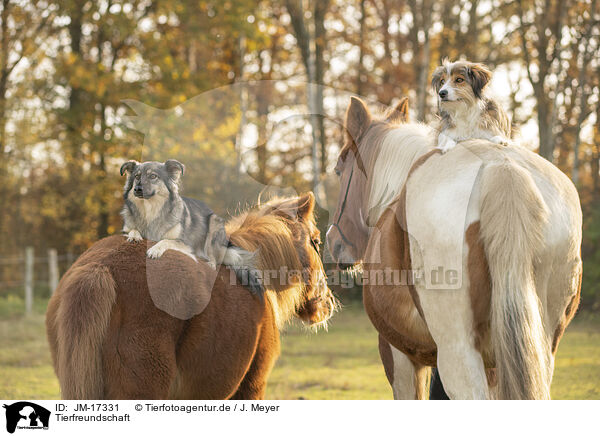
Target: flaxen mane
{"type": "Point", "coordinates": [267, 230]}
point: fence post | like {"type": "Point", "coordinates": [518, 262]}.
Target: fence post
{"type": "Point", "coordinates": [29, 259]}
{"type": "Point", "coordinates": [52, 269]}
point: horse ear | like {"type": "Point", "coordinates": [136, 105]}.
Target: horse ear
{"type": "Point", "coordinates": [358, 118]}
{"type": "Point", "coordinates": [297, 208]}
{"type": "Point", "coordinates": [399, 114]}
{"type": "Point", "coordinates": [306, 205]}
{"type": "Point", "coordinates": [175, 169]}
{"type": "Point", "coordinates": [128, 166]}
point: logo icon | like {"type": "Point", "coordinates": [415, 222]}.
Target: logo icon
{"type": "Point", "coordinates": [26, 415]}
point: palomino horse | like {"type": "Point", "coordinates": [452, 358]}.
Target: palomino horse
{"type": "Point", "coordinates": [500, 224]}
{"type": "Point", "coordinates": [109, 340]}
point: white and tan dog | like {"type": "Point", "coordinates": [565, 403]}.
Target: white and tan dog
{"type": "Point", "coordinates": [466, 112]}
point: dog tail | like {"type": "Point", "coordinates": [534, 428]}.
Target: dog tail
{"type": "Point", "coordinates": [513, 217]}
{"type": "Point", "coordinates": [85, 296]}
{"type": "Point", "coordinates": [243, 263]}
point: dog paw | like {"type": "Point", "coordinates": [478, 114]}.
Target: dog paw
{"type": "Point", "coordinates": [446, 145]}
{"type": "Point", "coordinates": [134, 236]}
{"type": "Point", "coordinates": [501, 140]}
{"type": "Point", "coordinates": [156, 251]}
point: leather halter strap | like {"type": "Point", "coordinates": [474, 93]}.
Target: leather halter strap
{"type": "Point", "coordinates": [336, 224]}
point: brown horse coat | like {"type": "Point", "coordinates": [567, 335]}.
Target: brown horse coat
{"type": "Point", "coordinates": [142, 343]}
{"type": "Point", "coordinates": [122, 326]}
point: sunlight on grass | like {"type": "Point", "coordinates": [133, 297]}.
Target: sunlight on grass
{"type": "Point", "coordinates": [342, 363]}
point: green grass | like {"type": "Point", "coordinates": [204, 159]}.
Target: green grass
{"type": "Point", "coordinates": [342, 363]}
{"type": "Point", "coordinates": [25, 367]}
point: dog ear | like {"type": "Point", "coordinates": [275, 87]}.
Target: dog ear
{"type": "Point", "coordinates": [128, 166]}
{"type": "Point", "coordinates": [358, 118]}
{"type": "Point", "coordinates": [480, 77]}
{"type": "Point", "coordinates": [399, 114]}
{"type": "Point", "coordinates": [175, 169]}
{"type": "Point", "coordinates": [436, 78]}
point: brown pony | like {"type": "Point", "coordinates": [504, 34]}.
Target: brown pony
{"type": "Point", "coordinates": [113, 333]}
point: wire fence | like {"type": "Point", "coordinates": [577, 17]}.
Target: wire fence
{"type": "Point", "coordinates": [23, 275]}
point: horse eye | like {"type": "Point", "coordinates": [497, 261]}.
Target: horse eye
{"type": "Point", "coordinates": [315, 243]}
{"type": "Point", "coordinates": [459, 80]}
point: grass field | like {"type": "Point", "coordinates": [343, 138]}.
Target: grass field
{"type": "Point", "coordinates": [342, 363]}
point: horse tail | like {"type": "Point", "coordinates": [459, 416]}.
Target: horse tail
{"type": "Point", "coordinates": [87, 295]}
{"type": "Point", "coordinates": [513, 217]}
{"type": "Point", "coordinates": [243, 263]}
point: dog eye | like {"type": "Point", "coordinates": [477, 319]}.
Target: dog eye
{"type": "Point", "coordinates": [442, 82]}
{"type": "Point", "coordinates": [459, 80]}
{"type": "Point", "coordinates": [337, 172]}
{"type": "Point", "coordinates": [153, 176]}
{"type": "Point", "coordinates": [137, 176]}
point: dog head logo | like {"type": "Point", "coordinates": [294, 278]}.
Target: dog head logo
{"type": "Point", "coordinates": [26, 415]}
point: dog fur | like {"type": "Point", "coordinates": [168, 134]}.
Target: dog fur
{"type": "Point", "coordinates": [154, 210]}
{"type": "Point", "coordinates": [466, 112]}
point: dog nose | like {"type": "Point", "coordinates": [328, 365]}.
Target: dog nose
{"type": "Point", "coordinates": [138, 189]}
{"type": "Point", "coordinates": [444, 93]}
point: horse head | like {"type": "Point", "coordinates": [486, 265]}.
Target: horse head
{"type": "Point", "coordinates": [348, 235]}
{"type": "Point", "coordinates": [287, 240]}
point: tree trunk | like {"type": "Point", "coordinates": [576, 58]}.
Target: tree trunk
{"type": "Point", "coordinates": [263, 98]}
{"type": "Point", "coordinates": [595, 165]}
{"type": "Point", "coordinates": [388, 65]}
{"type": "Point", "coordinates": [360, 71]}
{"type": "Point", "coordinates": [546, 149]}
{"type": "Point", "coordinates": [75, 112]}
{"type": "Point", "coordinates": [303, 37]}
{"type": "Point", "coordinates": [103, 215]}
{"type": "Point", "coordinates": [424, 62]}
{"type": "Point", "coordinates": [582, 91]}
{"type": "Point", "coordinates": [320, 44]}
{"type": "Point", "coordinates": [3, 91]}
{"type": "Point", "coordinates": [422, 20]}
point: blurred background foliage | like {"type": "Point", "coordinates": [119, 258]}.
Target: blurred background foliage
{"type": "Point", "coordinates": [86, 85]}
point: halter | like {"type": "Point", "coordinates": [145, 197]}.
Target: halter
{"type": "Point", "coordinates": [336, 224]}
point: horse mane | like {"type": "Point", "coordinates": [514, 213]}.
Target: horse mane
{"type": "Point", "coordinates": [267, 231]}
{"type": "Point", "coordinates": [392, 150]}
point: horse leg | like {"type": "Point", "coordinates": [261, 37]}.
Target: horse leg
{"type": "Point", "coordinates": [460, 364]}
{"type": "Point", "coordinates": [408, 379]}
{"type": "Point", "coordinates": [462, 370]}
{"type": "Point", "coordinates": [254, 383]}
{"type": "Point", "coordinates": [436, 389]}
